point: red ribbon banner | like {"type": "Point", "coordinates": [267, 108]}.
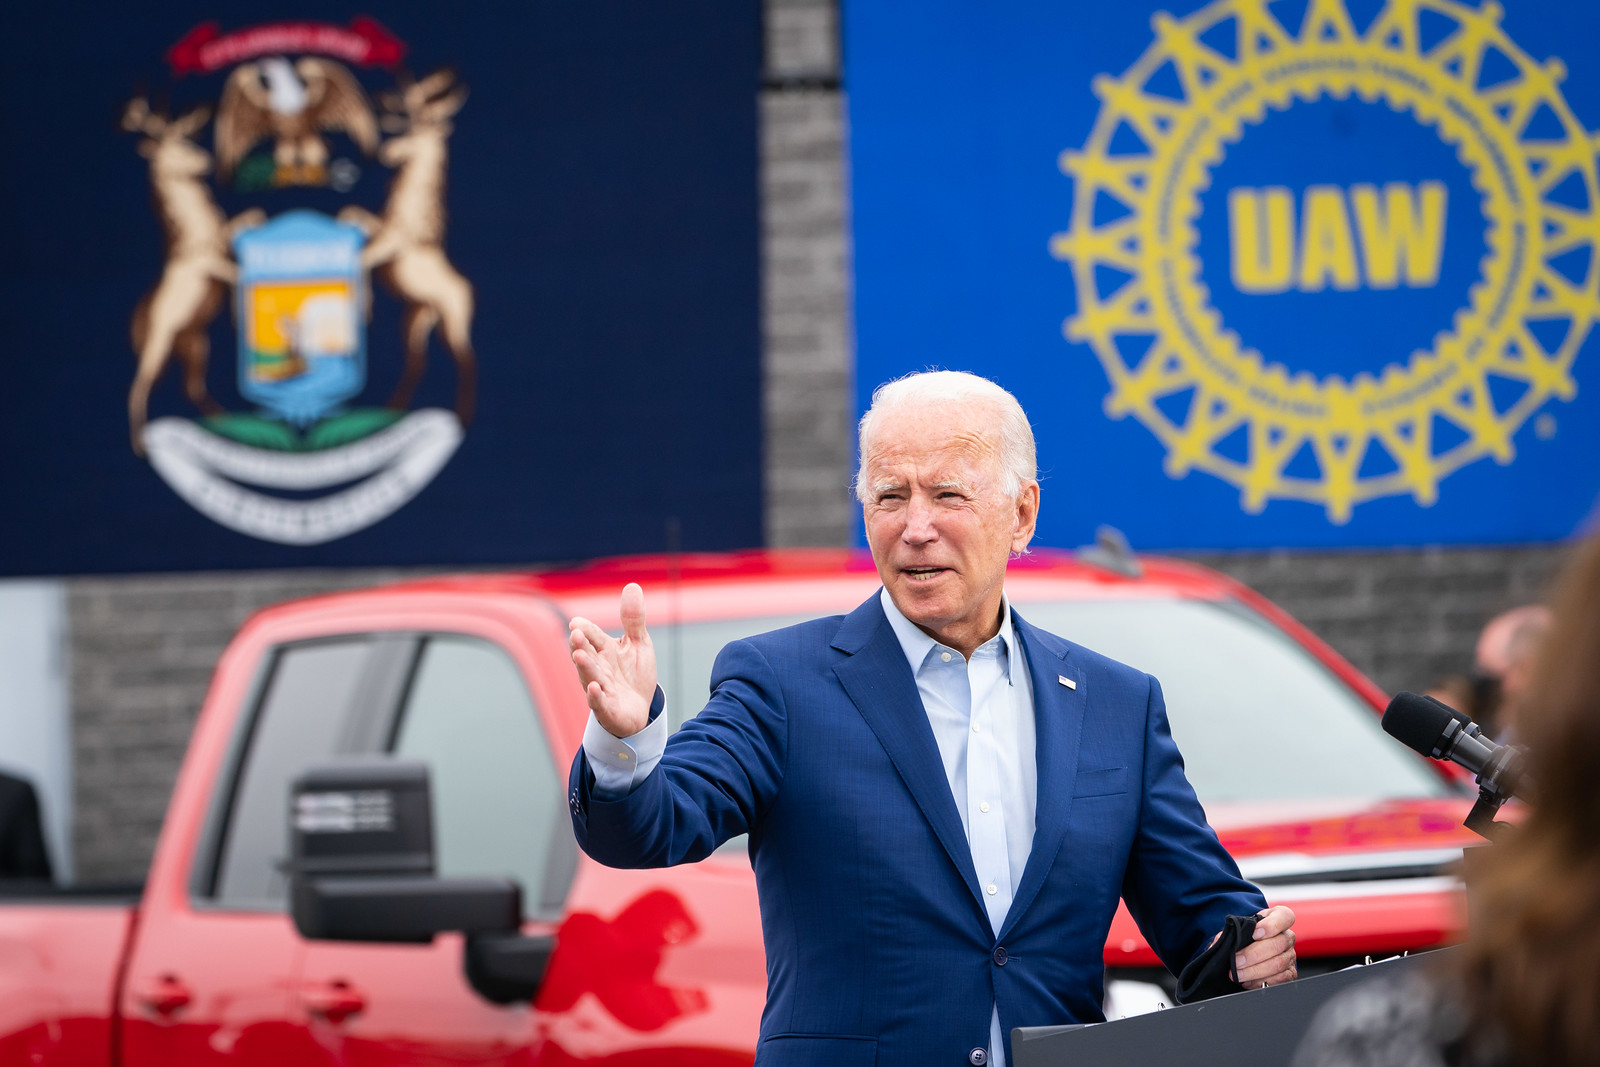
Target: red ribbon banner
{"type": "Point", "coordinates": [364, 43]}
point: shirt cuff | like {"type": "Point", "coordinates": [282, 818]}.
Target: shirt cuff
{"type": "Point", "coordinates": [620, 764]}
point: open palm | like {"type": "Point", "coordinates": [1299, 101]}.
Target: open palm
{"type": "Point", "coordinates": [618, 673]}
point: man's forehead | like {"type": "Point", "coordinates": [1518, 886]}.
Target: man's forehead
{"type": "Point", "coordinates": [963, 450]}
{"type": "Point", "coordinates": [951, 463]}
{"type": "Point", "coordinates": [931, 429]}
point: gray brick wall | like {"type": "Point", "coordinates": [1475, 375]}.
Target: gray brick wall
{"type": "Point", "coordinates": [806, 359]}
{"type": "Point", "coordinates": [1407, 617]}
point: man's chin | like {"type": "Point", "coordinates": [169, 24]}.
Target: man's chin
{"type": "Point", "coordinates": [922, 601]}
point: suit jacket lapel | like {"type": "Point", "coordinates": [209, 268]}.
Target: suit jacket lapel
{"type": "Point", "coordinates": [1058, 721]}
{"type": "Point", "coordinates": [884, 690]}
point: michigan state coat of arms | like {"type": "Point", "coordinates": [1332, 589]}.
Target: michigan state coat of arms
{"type": "Point", "coordinates": [299, 461]}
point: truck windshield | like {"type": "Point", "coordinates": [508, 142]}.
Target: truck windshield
{"type": "Point", "coordinates": [1235, 685]}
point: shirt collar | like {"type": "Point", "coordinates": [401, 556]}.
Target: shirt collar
{"type": "Point", "coordinates": [916, 644]}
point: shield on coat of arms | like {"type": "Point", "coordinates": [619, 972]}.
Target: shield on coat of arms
{"type": "Point", "coordinates": [302, 330]}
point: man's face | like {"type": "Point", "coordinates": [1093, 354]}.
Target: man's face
{"type": "Point", "coordinates": [939, 524]}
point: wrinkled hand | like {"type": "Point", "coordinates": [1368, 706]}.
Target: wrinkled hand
{"type": "Point", "coordinates": [618, 673]}
{"type": "Point", "coordinates": [1271, 959]}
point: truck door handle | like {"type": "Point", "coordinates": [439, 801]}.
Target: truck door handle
{"type": "Point", "coordinates": [334, 1001]}
{"type": "Point", "coordinates": [163, 995]}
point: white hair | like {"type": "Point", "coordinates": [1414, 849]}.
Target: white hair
{"type": "Point", "coordinates": [1015, 450]}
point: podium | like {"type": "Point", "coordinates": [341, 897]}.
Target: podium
{"type": "Point", "coordinates": [1257, 1027]}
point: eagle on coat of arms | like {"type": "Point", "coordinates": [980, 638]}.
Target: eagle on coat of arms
{"type": "Point", "coordinates": [294, 104]}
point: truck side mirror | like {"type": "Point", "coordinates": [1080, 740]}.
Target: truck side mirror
{"type": "Point", "coordinates": [362, 869]}
{"type": "Point", "coordinates": [362, 855]}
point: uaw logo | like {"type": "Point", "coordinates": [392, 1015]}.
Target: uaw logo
{"type": "Point", "coordinates": [304, 466]}
{"type": "Point", "coordinates": [1333, 262]}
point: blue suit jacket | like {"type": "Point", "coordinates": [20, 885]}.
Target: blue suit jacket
{"type": "Point", "coordinates": [879, 949]}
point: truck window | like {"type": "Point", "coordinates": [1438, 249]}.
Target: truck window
{"type": "Point", "coordinates": [498, 802]}
{"type": "Point", "coordinates": [299, 721]}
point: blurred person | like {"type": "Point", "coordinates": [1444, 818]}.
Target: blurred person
{"type": "Point", "coordinates": [1523, 645]}
{"type": "Point", "coordinates": [944, 803]}
{"type": "Point", "coordinates": [1492, 657]}
{"type": "Point", "coordinates": [1453, 690]}
{"type": "Point", "coordinates": [22, 850]}
{"type": "Point", "coordinates": [1525, 989]}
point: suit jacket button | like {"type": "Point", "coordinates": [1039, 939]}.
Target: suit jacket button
{"type": "Point", "coordinates": [1000, 956]}
{"type": "Point", "coordinates": [978, 1057]}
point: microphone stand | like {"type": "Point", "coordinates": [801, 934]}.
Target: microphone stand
{"type": "Point", "coordinates": [1481, 819]}
{"type": "Point", "coordinates": [1500, 779]}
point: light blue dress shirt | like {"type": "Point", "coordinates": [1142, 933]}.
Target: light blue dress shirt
{"type": "Point", "coordinates": [981, 712]}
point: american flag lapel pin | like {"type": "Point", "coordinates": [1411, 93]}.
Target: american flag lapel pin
{"type": "Point", "coordinates": [1068, 682]}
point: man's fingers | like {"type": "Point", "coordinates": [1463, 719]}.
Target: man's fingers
{"type": "Point", "coordinates": [593, 667]}
{"type": "Point", "coordinates": [589, 666]}
{"type": "Point", "coordinates": [1273, 921]}
{"type": "Point", "coordinates": [1261, 952]}
{"type": "Point", "coordinates": [617, 675]}
{"type": "Point", "coordinates": [633, 612]}
{"type": "Point", "coordinates": [601, 697]}
{"type": "Point", "coordinates": [1266, 948]}
{"type": "Point", "coordinates": [1270, 958]}
{"type": "Point", "coordinates": [1280, 968]}
{"type": "Point", "coordinates": [596, 637]}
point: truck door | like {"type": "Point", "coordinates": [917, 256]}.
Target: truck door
{"type": "Point", "coordinates": [499, 809]}
{"type": "Point", "coordinates": [210, 977]}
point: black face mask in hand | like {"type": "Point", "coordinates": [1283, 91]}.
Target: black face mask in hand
{"type": "Point", "coordinates": [1210, 974]}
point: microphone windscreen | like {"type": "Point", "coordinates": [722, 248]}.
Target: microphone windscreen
{"type": "Point", "coordinates": [1418, 721]}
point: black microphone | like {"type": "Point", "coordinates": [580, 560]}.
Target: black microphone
{"type": "Point", "coordinates": [1437, 730]}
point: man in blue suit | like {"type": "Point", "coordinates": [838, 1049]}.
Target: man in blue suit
{"type": "Point", "coordinates": [944, 803]}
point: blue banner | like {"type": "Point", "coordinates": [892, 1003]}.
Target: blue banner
{"type": "Point", "coordinates": [314, 286]}
{"type": "Point", "coordinates": [1298, 273]}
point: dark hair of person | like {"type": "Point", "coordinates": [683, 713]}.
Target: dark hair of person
{"type": "Point", "coordinates": [1532, 960]}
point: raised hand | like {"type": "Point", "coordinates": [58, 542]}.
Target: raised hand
{"type": "Point", "coordinates": [618, 673]}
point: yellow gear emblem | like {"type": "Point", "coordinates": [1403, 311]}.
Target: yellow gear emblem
{"type": "Point", "coordinates": [1155, 247]}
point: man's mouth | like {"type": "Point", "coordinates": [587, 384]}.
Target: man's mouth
{"type": "Point", "coordinates": [922, 574]}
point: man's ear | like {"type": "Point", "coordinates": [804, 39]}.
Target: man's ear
{"type": "Point", "coordinates": [1027, 519]}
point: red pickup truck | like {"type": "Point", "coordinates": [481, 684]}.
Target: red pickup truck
{"type": "Point", "coordinates": [466, 681]}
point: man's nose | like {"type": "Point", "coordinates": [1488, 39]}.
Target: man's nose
{"type": "Point", "coordinates": [919, 528]}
